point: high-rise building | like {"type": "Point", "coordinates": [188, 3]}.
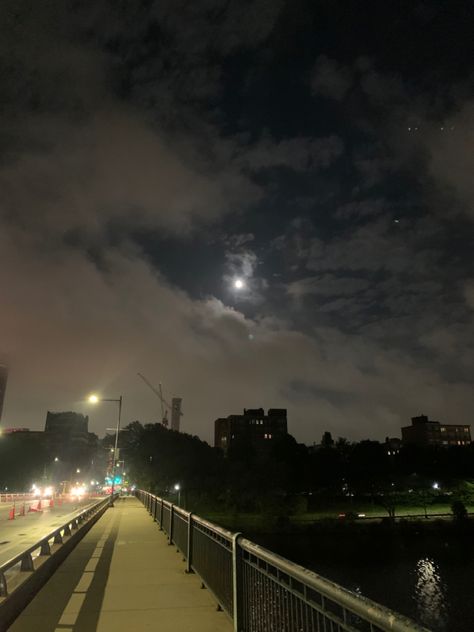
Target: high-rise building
{"type": "Point", "coordinates": [68, 423]}
{"type": "Point", "coordinates": [253, 427]}
{"type": "Point", "coordinates": [426, 432]}
{"type": "Point", "coordinates": [3, 386]}
{"type": "Point", "coordinates": [176, 413]}
{"type": "Point", "coordinates": [66, 436]}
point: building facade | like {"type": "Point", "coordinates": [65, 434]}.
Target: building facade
{"type": "Point", "coordinates": [66, 435]}
{"type": "Point", "coordinates": [425, 432]}
{"type": "Point", "coordinates": [253, 427]}
{"type": "Point", "coordinates": [67, 423]}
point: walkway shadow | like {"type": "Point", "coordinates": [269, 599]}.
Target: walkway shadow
{"type": "Point", "coordinates": [45, 611]}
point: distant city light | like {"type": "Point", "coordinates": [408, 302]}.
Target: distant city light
{"type": "Point", "coordinates": [78, 491]}
{"type": "Point", "coordinates": [435, 485]}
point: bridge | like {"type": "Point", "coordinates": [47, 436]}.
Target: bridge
{"type": "Point", "coordinates": [148, 564]}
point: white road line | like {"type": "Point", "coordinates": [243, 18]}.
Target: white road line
{"type": "Point", "coordinates": [71, 611]}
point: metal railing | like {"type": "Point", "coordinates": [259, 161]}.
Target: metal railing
{"type": "Point", "coordinates": [32, 558]}
{"type": "Point", "coordinates": [8, 498]}
{"type": "Point", "coordinates": [261, 591]}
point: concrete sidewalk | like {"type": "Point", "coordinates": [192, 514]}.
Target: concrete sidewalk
{"type": "Point", "coordinates": [123, 575]}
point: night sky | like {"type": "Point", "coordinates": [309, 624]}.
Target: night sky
{"type": "Point", "coordinates": [152, 152]}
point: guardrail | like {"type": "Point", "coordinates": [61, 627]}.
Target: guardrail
{"type": "Point", "coordinates": [8, 498]}
{"type": "Point", "coordinates": [260, 590]}
{"type": "Point", "coordinates": [24, 574]}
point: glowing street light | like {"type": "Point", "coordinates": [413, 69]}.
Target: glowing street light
{"type": "Point", "coordinates": [239, 284]}
{"type": "Point", "coordinates": [95, 399]}
{"type": "Point", "coordinates": [177, 489]}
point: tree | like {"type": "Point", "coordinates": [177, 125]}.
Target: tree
{"type": "Point", "coordinates": [327, 441]}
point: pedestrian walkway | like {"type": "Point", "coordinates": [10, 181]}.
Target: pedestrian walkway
{"type": "Point", "coordinates": [123, 575]}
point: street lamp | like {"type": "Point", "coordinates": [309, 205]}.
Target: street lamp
{"type": "Point", "coordinates": [177, 489]}
{"type": "Point", "coordinates": [95, 399]}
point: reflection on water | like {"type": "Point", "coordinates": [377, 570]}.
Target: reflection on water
{"type": "Point", "coordinates": [430, 595]}
{"type": "Point", "coordinates": [430, 582]}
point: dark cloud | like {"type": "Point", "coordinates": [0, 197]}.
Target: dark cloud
{"type": "Point", "coordinates": [330, 79]}
{"type": "Point", "coordinates": [327, 285]}
{"type": "Point", "coordinates": [300, 154]}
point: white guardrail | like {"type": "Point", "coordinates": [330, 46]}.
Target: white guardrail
{"type": "Point", "coordinates": [10, 498]}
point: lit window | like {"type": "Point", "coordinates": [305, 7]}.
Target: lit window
{"type": "Point", "coordinates": [269, 436]}
{"type": "Point", "coordinates": [443, 429]}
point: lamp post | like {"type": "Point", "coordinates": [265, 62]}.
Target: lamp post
{"type": "Point", "coordinates": [177, 488]}
{"type": "Point", "coordinates": [95, 399]}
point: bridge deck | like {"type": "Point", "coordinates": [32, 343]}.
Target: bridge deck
{"type": "Point", "coordinates": [123, 575]}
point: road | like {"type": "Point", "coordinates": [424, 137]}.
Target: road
{"type": "Point", "coordinates": [16, 535]}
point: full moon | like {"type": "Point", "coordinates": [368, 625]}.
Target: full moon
{"type": "Point", "coordinates": [238, 284]}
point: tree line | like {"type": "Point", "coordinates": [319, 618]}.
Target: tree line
{"type": "Point", "coordinates": [288, 475]}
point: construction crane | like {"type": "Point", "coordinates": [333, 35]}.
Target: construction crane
{"type": "Point", "coordinates": [175, 407]}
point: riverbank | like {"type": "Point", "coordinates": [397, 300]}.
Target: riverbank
{"type": "Point", "coordinates": [269, 522]}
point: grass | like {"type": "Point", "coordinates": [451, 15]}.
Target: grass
{"type": "Point", "coordinates": [234, 521]}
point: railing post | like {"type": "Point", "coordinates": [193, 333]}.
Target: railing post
{"type": "Point", "coordinates": [3, 585]}
{"type": "Point", "coordinates": [154, 509]}
{"type": "Point", "coordinates": [27, 563]}
{"type": "Point", "coordinates": [237, 581]}
{"type": "Point", "coordinates": [170, 540]}
{"type": "Point", "coordinates": [161, 515]}
{"type": "Point", "coordinates": [190, 545]}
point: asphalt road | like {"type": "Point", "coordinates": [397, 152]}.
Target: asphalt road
{"type": "Point", "coordinates": [17, 535]}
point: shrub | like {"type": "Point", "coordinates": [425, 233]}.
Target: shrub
{"type": "Point", "coordinates": [459, 510]}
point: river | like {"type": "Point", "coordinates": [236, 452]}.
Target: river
{"type": "Point", "coordinates": [432, 582]}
